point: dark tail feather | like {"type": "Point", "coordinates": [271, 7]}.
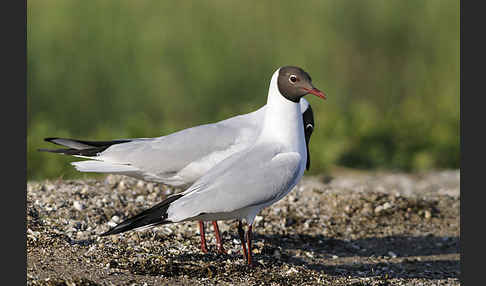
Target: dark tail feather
{"type": "Point", "coordinates": [81, 144]}
{"type": "Point", "coordinates": [70, 151]}
{"type": "Point", "coordinates": [81, 147]}
{"type": "Point", "coordinates": [156, 215]}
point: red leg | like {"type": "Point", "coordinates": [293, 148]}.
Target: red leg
{"type": "Point", "coordinates": [248, 240]}
{"type": "Point", "coordinates": [203, 237]}
{"type": "Point", "coordinates": [218, 237]}
{"type": "Point", "coordinates": [242, 238]}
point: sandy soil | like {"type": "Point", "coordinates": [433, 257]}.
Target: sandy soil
{"type": "Point", "coordinates": [342, 228]}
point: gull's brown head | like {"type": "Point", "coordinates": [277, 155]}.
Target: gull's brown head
{"type": "Point", "coordinates": [293, 83]}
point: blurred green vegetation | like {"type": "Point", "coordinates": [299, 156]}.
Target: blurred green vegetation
{"type": "Point", "coordinates": [118, 69]}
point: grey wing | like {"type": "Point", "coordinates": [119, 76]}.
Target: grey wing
{"type": "Point", "coordinates": [256, 177]}
{"type": "Point", "coordinates": [159, 159]}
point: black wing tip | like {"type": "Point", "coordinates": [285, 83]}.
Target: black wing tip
{"type": "Point", "coordinates": [153, 216]}
{"type": "Point", "coordinates": [50, 139]}
{"type": "Point", "coordinates": [129, 224]}
{"type": "Point", "coordinates": [88, 142]}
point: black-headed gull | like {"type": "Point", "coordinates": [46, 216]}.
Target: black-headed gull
{"type": "Point", "coordinates": [174, 159]}
{"type": "Point", "coordinates": [244, 183]}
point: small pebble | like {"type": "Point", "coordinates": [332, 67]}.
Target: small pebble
{"type": "Point", "coordinates": [392, 254]}
{"type": "Point", "coordinates": [99, 204]}
{"type": "Point", "coordinates": [291, 271]}
{"type": "Point", "coordinates": [150, 187]}
{"type": "Point", "coordinates": [140, 199]}
{"type": "Point", "coordinates": [258, 219]}
{"type": "Point", "coordinates": [78, 206]}
{"type": "Point", "coordinates": [387, 205]}
{"type": "Point", "coordinates": [115, 218]}
{"type": "Point", "coordinates": [48, 187]}
{"type": "Point", "coordinates": [121, 186]}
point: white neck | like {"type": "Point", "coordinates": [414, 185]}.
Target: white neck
{"type": "Point", "coordinates": [304, 104]}
{"type": "Point", "coordinates": [283, 120]}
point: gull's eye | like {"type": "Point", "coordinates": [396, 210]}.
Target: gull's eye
{"type": "Point", "coordinates": [293, 78]}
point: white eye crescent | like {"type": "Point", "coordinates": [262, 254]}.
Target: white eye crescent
{"type": "Point", "coordinates": [293, 78]}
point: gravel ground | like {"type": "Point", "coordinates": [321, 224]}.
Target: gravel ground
{"type": "Point", "coordinates": [343, 228]}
